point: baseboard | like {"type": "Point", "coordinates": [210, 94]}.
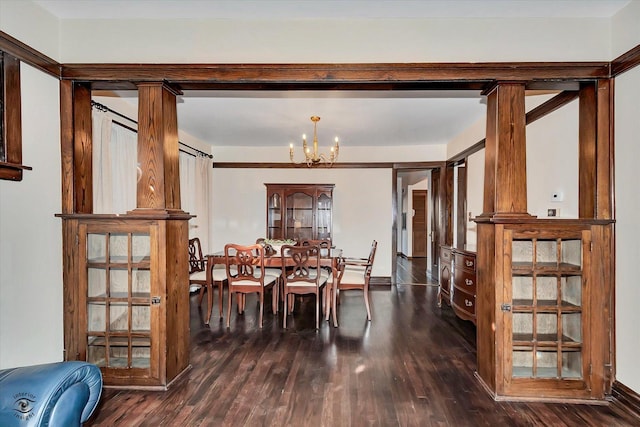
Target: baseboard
{"type": "Point", "coordinates": [380, 281]}
{"type": "Point", "coordinates": [625, 399]}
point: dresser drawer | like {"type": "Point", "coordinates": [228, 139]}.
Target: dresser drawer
{"type": "Point", "coordinates": [465, 280]}
{"type": "Point", "coordinates": [464, 301]}
{"type": "Point", "coordinates": [467, 262]}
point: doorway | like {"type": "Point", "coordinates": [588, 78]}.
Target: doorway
{"type": "Point", "coordinates": [419, 229]}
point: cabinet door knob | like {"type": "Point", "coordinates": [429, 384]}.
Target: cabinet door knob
{"type": "Point", "coordinates": [468, 282]}
{"type": "Point", "coordinates": [469, 263]}
{"type": "Point", "coordinates": [155, 300]}
{"type": "Point", "coordinates": [468, 303]}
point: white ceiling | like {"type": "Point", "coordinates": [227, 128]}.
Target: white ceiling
{"type": "Point", "coordinates": [362, 118]}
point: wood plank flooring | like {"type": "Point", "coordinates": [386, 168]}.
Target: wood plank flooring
{"type": "Point", "coordinates": [412, 365]}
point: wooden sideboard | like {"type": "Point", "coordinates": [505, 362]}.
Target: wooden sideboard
{"type": "Point", "coordinates": [458, 281]}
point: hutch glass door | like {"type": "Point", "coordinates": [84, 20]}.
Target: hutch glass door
{"type": "Point", "coordinates": [119, 299]}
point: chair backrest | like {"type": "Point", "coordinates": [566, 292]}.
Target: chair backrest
{"type": "Point", "coordinates": [323, 243]}
{"type": "Point", "coordinates": [196, 261]}
{"type": "Point", "coordinates": [244, 262]}
{"type": "Point", "coordinates": [305, 259]}
{"type": "Point", "coordinates": [372, 255]}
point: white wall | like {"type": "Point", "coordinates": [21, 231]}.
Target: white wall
{"type": "Point", "coordinates": [362, 208]}
{"type": "Point", "coordinates": [31, 328]}
{"type": "Point", "coordinates": [337, 40]}
{"type": "Point", "coordinates": [627, 118]}
{"type": "Point", "coordinates": [552, 161]}
{"type": "Point", "coordinates": [475, 194]}
{"type": "Point", "coordinates": [626, 35]}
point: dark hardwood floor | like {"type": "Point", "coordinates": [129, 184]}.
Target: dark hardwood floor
{"type": "Point", "coordinates": [412, 365]}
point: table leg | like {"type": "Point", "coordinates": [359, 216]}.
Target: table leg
{"type": "Point", "coordinates": [334, 305]}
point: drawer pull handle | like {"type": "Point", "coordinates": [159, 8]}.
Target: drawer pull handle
{"type": "Point", "coordinates": [468, 282]}
{"type": "Point", "coordinates": [468, 303]}
{"type": "Point", "coordinates": [468, 263]}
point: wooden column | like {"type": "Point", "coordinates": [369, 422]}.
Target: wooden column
{"type": "Point", "coordinates": [11, 117]}
{"type": "Point", "coordinates": [505, 180]}
{"type": "Point", "coordinates": [159, 180]}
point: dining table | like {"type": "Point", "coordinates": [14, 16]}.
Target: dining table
{"type": "Point", "coordinates": [328, 258]}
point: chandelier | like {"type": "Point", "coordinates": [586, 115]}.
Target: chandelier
{"type": "Point", "coordinates": [313, 158]}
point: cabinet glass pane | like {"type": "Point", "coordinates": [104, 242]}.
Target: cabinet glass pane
{"type": "Point", "coordinates": [96, 282]}
{"type": "Point", "coordinates": [522, 251]}
{"type": "Point", "coordinates": [547, 327]}
{"type": "Point", "coordinates": [546, 364]}
{"type": "Point", "coordinates": [522, 290]}
{"type": "Point", "coordinates": [522, 326]}
{"type": "Point", "coordinates": [546, 251]}
{"type": "Point", "coordinates": [96, 317]}
{"type": "Point", "coordinates": [572, 364]}
{"type": "Point", "coordinates": [299, 216]}
{"type": "Point", "coordinates": [140, 247]}
{"type": "Point", "coordinates": [572, 327]}
{"type": "Point", "coordinates": [118, 317]}
{"type": "Point", "coordinates": [324, 217]}
{"type": "Point", "coordinates": [118, 247]}
{"type": "Point", "coordinates": [522, 363]}
{"type": "Point", "coordinates": [97, 247]}
{"type": "Point", "coordinates": [141, 318]}
{"type": "Point", "coordinates": [141, 353]}
{"type": "Point", "coordinates": [547, 290]}
{"type": "Point", "coordinates": [571, 288]}
{"type": "Point", "coordinates": [571, 252]}
{"type": "Point", "coordinates": [118, 283]}
{"type": "Point", "coordinates": [96, 351]}
{"type": "Point", "coordinates": [141, 283]}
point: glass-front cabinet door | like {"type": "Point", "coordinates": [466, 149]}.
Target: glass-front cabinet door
{"type": "Point", "coordinates": [274, 216]}
{"type": "Point", "coordinates": [547, 309]}
{"type": "Point", "coordinates": [120, 298]}
{"type": "Point", "coordinates": [299, 215]}
{"type": "Point", "coordinates": [323, 215]}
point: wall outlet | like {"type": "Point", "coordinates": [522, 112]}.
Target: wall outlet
{"type": "Point", "coordinates": [553, 212]}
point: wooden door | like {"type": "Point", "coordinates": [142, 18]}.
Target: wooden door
{"type": "Point", "coordinates": [419, 227]}
{"type": "Point", "coordinates": [435, 214]}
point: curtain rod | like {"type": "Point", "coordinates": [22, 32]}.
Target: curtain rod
{"type": "Point", "coordinates": [103, 107]}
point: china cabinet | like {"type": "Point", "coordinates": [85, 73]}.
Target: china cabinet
{"type": "Point", "coordinates": [549, 310]}
{"type": "Point", "coordinates": [299, 211]}
{"type": "Point", "coordinates": [132, 310]}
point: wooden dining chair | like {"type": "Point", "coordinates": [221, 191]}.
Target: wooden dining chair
{"type": "Point", "coordinates": [205, 280]}
{"type": "Point", "coordinates": [354, 274]}
{"type": "Point", "coordinates": [304, 277]}
{"type": "Point", "coordinates": [246, 274]}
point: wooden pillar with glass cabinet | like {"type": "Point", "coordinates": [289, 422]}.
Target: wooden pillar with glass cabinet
{"type": "Point", "coordinates": [299, 211]}
{"type": "Point", "coordinates": [544, 286]}
{"type": "Point", "coordinates": [126, 276]}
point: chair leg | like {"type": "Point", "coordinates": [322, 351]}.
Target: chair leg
{"type": "Point", "coordinates": [209, 303]}
{"type": "Point", "coordinates": [229, 309]}
{"type": "Point", "coordinates": [274, 298]}
{"type": "Point", "coordinates": [366, 302]}
{"type": "Point", "coordinates": [286, 310]}
{"type": "Point", "coordinates": [220, 292]}
{"type": "Point", "coordinates": [261, 307]}
{"type": "Point", "coordinates": [200, 295]}
{"type": "Point", "coordinates": [317, 310]}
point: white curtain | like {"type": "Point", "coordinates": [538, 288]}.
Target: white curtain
{"type": "Point", "coordinates": [195, 173]}
{"type": "Point", "coordinates": [115, 160]}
